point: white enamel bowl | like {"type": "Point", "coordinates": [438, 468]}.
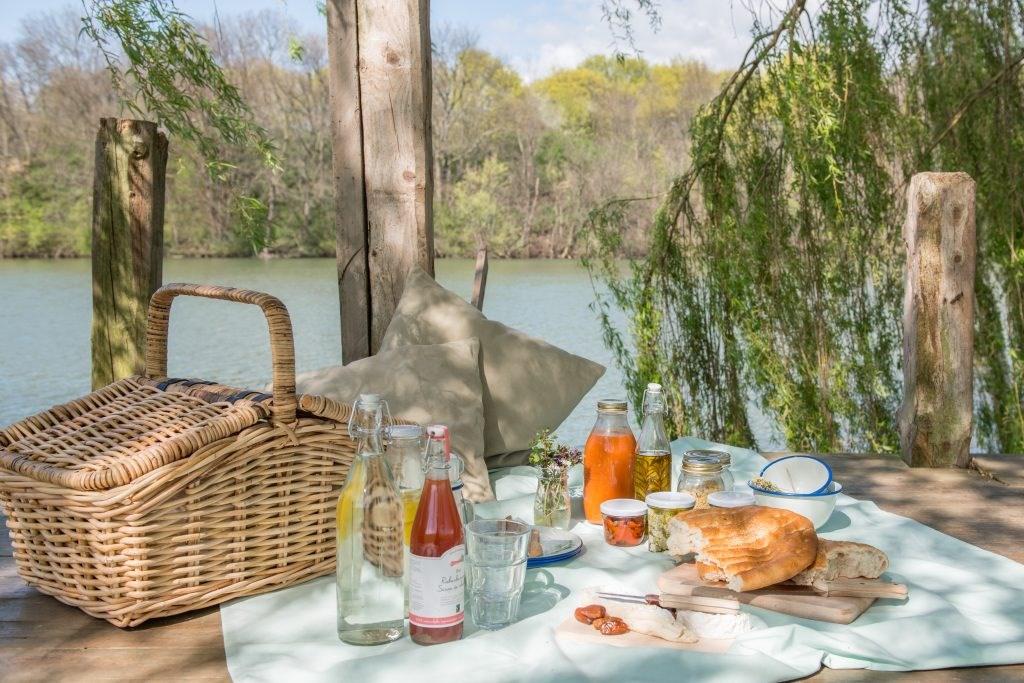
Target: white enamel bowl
{"type": "Point", "coordinates": [816, 507]}
{"type": "Point", "coordinates": [799, 474]}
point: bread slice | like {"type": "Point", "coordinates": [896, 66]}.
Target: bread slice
{"type": "Point", "coordinates": [843, 560]}
{"type": "Point", "coordinates": [747, 547]}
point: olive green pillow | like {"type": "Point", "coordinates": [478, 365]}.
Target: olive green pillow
{"type": "Point", "coordinates": [427, 384]}
{"type": "Point", "coordinates": [528, 384]}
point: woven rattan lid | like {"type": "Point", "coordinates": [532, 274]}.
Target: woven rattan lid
{"type": "Point", "coordinates": [125, 430]}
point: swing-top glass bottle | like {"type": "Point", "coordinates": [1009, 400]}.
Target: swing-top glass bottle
{"type": "Point", "coordinates": [371, 592]}
{"type": "Point", "coordinates": [652, 471]}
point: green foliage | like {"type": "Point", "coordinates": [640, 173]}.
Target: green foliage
{"type": "Point", "coordinates": [161, 67]}
{"type": "Point", "coordinates": [475, 214]}
{"type": "Point", "coordinates": [170, 73]}
{"type": "Point", "coordinates": [774, 271]}
{"type": "Point", "coordinates": [517, 165]}
{"type": "Point", "coordinates": [974, 109]}
{"type": "Point", "coordinates": [34, 210]}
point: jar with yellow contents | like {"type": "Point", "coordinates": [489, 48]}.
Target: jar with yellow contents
{"type": "Point", "coordinates": [404, 445]}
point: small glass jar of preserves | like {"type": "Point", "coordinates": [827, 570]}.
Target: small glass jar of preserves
{"type": "Point", "coordinates": [625, 521]}
{"type": "Point", "coordinates": [700, 476]}
{"type": "Point", "coordinates": [608, 459]}
{"type": "Point", "coordinates": [661, 507]}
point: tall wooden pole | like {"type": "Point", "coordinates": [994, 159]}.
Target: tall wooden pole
{"type": "Point", "coordinates": [383, 163]}
{"type": "Point", "coordinates": [936, 417]}
{"type": "Point", "coordinates": [349, 188]}
{"type": "Point", "coordinates": [127, 243]}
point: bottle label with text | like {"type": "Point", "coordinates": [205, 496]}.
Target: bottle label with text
{"type": "Point", "coordinates": [437, 588]}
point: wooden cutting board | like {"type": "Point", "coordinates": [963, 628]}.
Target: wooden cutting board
{"type": "Point", "coordinates": [570, 629]}
{"type": "Point", "coordinates": [798, 601]}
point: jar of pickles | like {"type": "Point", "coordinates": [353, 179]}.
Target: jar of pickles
{"type": "Point", "coordinates": [700, 476]}
{"type": "Point", "coordinates": [661, 507]}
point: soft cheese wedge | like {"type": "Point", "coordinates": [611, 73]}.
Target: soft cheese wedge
{"type": "Point", "coordinates": [649, 620]}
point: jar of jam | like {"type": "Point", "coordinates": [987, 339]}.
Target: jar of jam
{"type": "Point", "coordinates": [608, 459]}
{"type": "Point", "coordinates": [625, 521]}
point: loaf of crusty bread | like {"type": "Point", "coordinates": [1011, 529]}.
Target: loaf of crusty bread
{"type": "Point", "coordinates": [747, 547]}
{"type": "Point", "coordinates": [843, 560]}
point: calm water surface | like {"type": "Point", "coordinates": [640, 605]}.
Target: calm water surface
{"type": "Point", "coordinates": [47, 311]}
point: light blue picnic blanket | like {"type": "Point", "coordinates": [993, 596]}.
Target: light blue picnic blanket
{"type": "Point", "coordinates": [966, 607]}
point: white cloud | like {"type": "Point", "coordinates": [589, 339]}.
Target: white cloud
{"type": "Point", "coordinates": [537, 37]}
{"type": "Point", "coordinates": [534, 36]}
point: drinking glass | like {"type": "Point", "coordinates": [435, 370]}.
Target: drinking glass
{"type": "Point", "coordinates": [496, 554]}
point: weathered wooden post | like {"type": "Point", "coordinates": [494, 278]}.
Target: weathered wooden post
{"type": "Point", "coordinates": [938, 321]}
{"type": "Point", "coordinates": [480, 279]}
{"type": "Point", "coordinates": [127, 242]}
{"type": "Point", "coordinates": [379, 78]}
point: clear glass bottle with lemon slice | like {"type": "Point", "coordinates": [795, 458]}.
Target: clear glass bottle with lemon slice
{"type": "Point", "coordinates": [371, 566]}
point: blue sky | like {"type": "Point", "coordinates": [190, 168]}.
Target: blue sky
{"type": "Point", "coordinates": [534, 36]}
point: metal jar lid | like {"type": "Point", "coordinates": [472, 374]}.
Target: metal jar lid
{"type": "Point", "coordinates": [404, 432]}
{"type": "Point", "coordinates": [702, 462]}
{"type": "Point", "coordinates": [612, 405]}
{"type": "Point", "coordinates": [723, 456]}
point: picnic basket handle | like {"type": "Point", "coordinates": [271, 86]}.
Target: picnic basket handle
{"type": "Point", "coordinates": [282, 344]}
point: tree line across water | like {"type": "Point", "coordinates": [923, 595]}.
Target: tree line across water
{"type": "Point", "coordinates": [763, 227]}
{"type": "Point", "coordinates": [518, 165]}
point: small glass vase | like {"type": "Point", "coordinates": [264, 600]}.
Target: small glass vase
{"type": "Point", "coordinates": [552, 507]}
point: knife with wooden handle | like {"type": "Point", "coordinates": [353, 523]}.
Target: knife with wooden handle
{"type": "Point", "coordinates": [694, 603]}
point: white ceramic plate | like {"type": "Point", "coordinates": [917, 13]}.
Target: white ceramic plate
{"type": "Point", "coordinates": [558, 545]}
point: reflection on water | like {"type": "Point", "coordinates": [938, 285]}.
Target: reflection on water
{"type": "Point", "coordinates": [47, 307]}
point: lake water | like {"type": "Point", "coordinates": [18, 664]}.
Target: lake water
{"type": "Point", "coordinates": [47, 309]}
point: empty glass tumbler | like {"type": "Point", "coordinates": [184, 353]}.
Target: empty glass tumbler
{"type": "Point", "coordinates": [496, 554]}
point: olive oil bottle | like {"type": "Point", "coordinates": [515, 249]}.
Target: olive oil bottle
{"type": "Point", "coordinates": [653, 469]}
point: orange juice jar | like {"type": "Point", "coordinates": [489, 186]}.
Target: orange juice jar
{"type": "Point", "coordinates": [608, 459]}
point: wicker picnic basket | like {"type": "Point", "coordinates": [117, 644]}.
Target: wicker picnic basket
{"type": "Point", "coordinates": [154, 496]}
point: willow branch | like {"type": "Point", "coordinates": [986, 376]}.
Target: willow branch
{"type": "Point", "coordinates": [735, 86]}
{"type": "Point", "coordinates": [969, 101]}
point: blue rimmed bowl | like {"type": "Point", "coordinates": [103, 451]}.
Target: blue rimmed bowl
{"type": "Point", "coordinates": [798, 474]}
{"type": "Point", "coordinates": [816, 507]}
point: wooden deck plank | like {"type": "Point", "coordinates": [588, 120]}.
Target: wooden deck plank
{"type": "Point", "coordinates": [42, 639]}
